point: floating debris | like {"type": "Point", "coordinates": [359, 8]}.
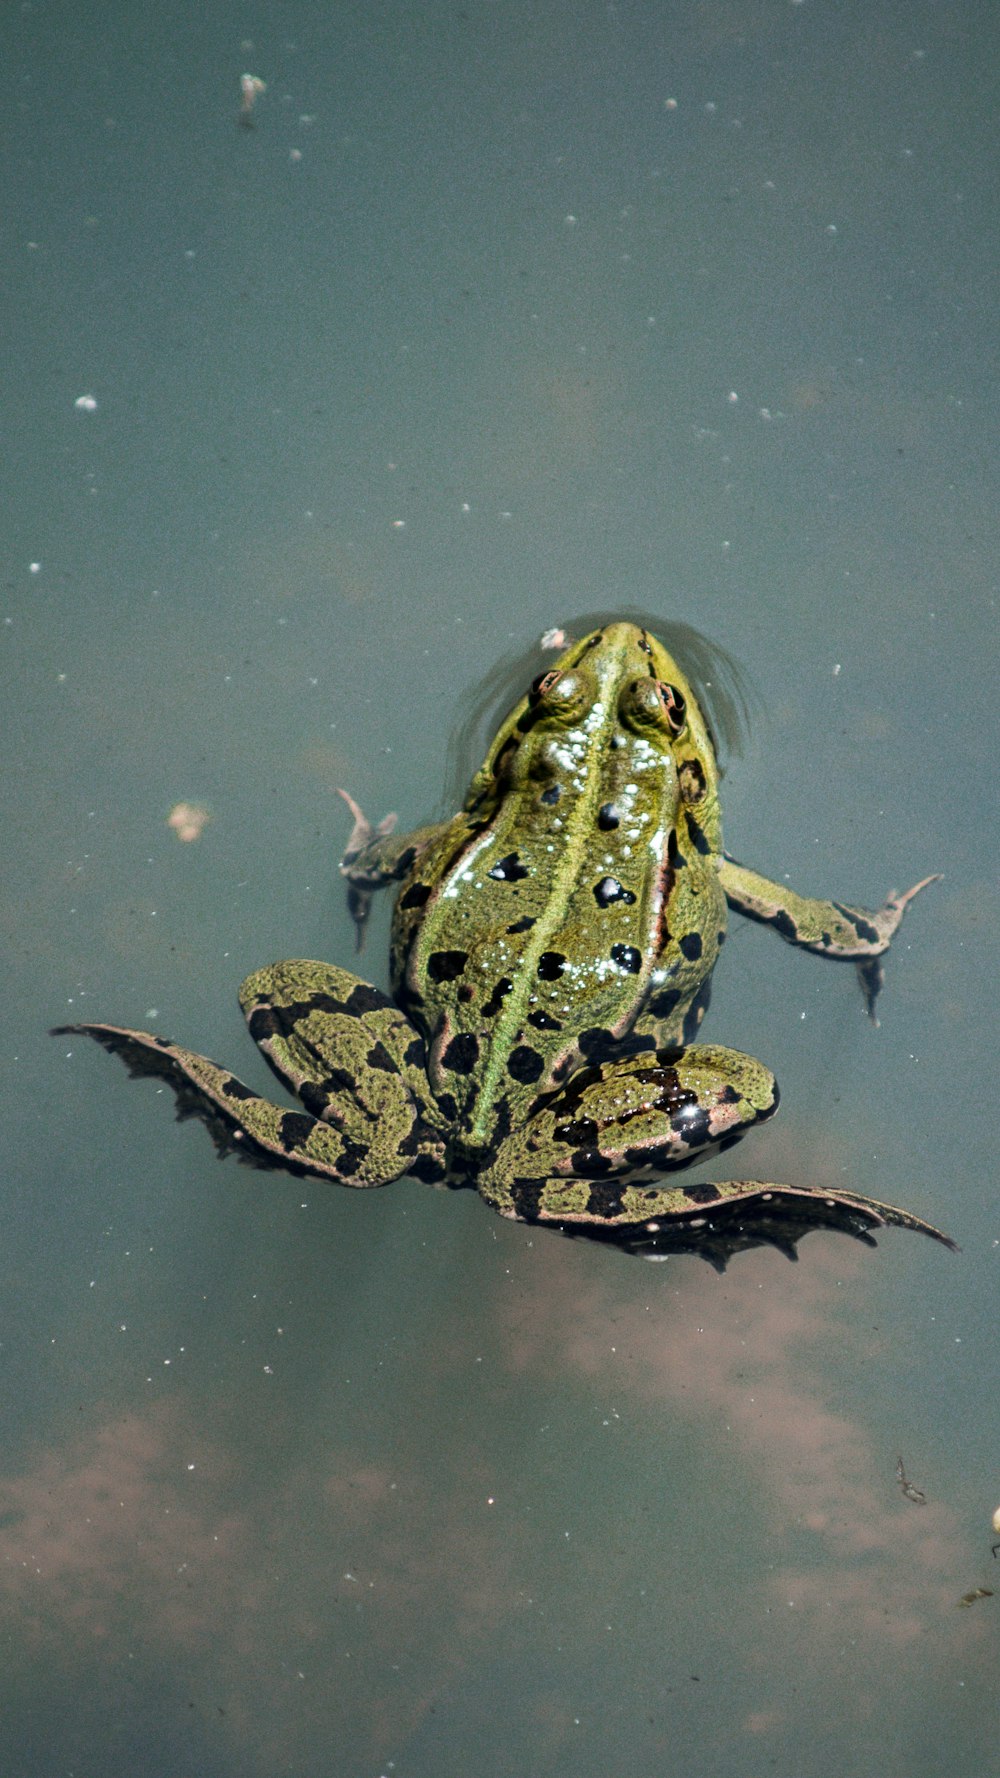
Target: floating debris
{"type": "Point", "coordinates": [251, 88]}
{"type": "Point", "coordinates": [188, 820]}
{"type": "Point", "coordinates": [911, 1493]}
{"type": "Point", "coordinates": [976, 1593]}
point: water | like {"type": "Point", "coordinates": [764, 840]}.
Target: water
{"type": "Point", "coordinates": [497, 316]}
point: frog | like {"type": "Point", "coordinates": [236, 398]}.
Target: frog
{"type": "Point", "coordinates": [552, 951]}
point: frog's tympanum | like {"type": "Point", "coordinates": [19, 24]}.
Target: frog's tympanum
{"type": "Point", "coordinates": [552, 949]}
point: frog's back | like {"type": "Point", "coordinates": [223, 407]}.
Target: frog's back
{"type": "Point", "coordinates": [527, 943]}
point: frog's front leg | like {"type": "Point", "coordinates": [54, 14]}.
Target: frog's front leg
{"type": "Point", "coordinates": [375, 856]}
{"type": "Point", "coordinates": [354, 1062]}
{"type": "Point", "coordinates": [829, 927]}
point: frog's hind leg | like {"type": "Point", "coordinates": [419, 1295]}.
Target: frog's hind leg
{"type": "Point", "coordinates": [588, 1154]}
{"type": "Point", "coordinates": [355, 1062]}
{"type": "Point", "coordinates": [655, 1109]}
{"type": "Point", "coordinates": [361, 1125]}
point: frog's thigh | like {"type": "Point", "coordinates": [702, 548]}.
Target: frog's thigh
{"type": "Point", "coordinates": [329, 1035]}
{"type": "Point", "coordinates": [656, 1109]}
{"type": "Point", "coordinates": [343, 1048]}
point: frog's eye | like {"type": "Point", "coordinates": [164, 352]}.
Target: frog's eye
{"type": "Point", "coordinates": [563, 692]}
{"type": "Point", "coordinates": [673, 706]}
{"type": "Point", "coordinates": [651, 705]}
{"type": "Point", "coordinates": [541, 686]}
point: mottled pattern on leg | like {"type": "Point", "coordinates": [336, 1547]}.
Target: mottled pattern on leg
{"type": "Point", "coordinates": [830, 928]}
{"type": "Point", "coordinates": [655, 1109]}
{"type": "Point", "coordinates": [614, 1205]}
{"type": "Point", "coordinates": [267, 1134]}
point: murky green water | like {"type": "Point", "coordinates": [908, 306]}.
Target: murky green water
{"type": "Point", "coordinates": [498, 315]}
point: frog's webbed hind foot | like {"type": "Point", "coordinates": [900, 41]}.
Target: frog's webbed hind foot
{"type": "Point", "coordinates": [715, 1219]}
{"type": "Point", "coordinates": [716, 1239]}
{"type": "Point", "coordinates": [150, 1057]}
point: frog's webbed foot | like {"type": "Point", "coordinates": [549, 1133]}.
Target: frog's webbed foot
{"type": "Point", "coordinates": [715, 1219]}
{"type": "Point", "coordinates": [884, 923]}
{"type": "Point", "coordinates": [200, 1088]}
{"type": "Point", "coordinates": [755, 1214]}
{"type": "Point", "coordinates": [362, 883]}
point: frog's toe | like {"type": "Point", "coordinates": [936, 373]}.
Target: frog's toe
{"type": "Point", "coordinates": [882, 927]}
{"type": "Point", "coordinates": [876, 930]}
{"type": "Point", "coordinates": [362, 833]}
{"type": "Point", "coordinates": [896, 904]}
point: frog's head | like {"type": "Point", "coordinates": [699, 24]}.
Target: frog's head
{"type": "Point", "coordinates": [618, 694]}
{"type": "Point", "coordinates": [627, 663]}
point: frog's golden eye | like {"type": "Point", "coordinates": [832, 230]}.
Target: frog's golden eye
{"type": "Point", "coordinates": [651, 705]}
{"type": "Point", "coordinates": [541, 686]}
{"type": "Point", "coordinates": [562, 691]}
{"type": "Point", "coordinates": [673, 706]}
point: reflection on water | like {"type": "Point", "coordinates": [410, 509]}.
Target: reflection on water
{"type": "Point", "coordinates": [541, 1486]}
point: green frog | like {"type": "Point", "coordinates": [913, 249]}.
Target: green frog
{"type": "Point", "coordinates": [552, 949]}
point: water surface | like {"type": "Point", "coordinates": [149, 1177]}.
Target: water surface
{"type": "Point", "coordinates": [498, 315]}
